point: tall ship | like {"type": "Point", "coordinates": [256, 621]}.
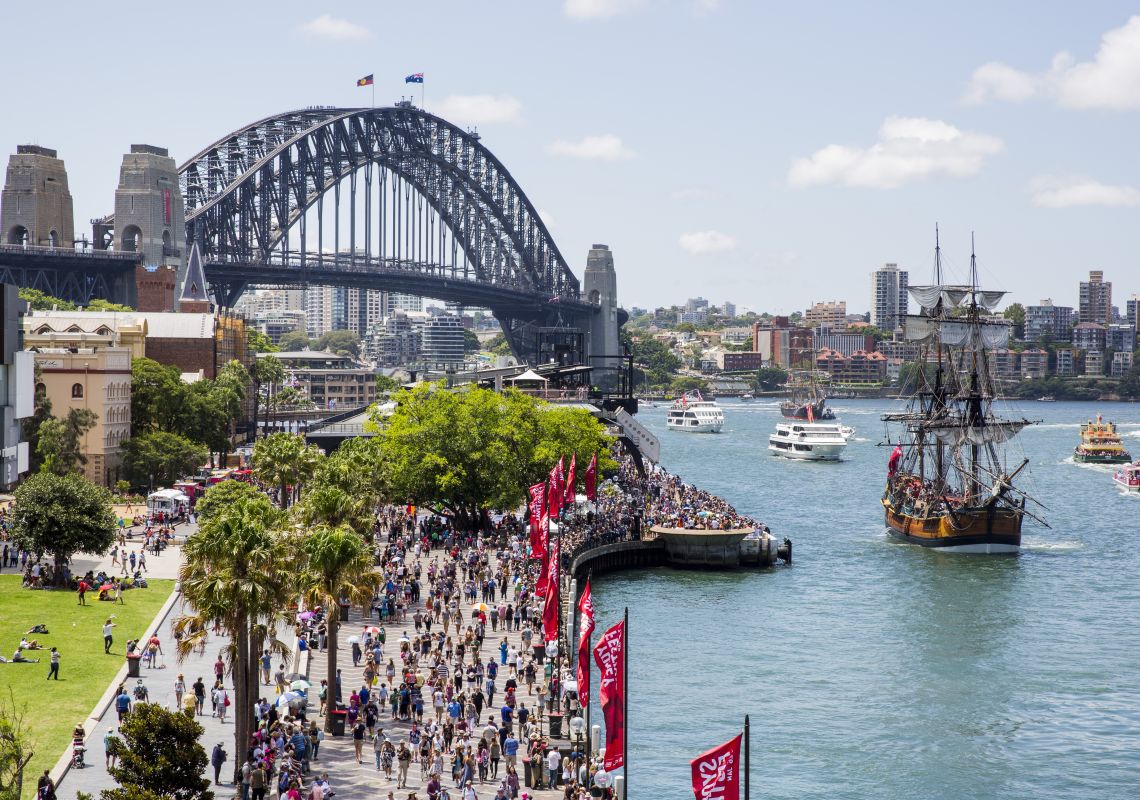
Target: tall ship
{"type": "Point", "coordinates": [1100, 444]}
{"type": "Point", "coordinates": [948, 484]}
{"type": "Point", "coordinates": [692, 413]}
{"type": "Point", "coordinates": [807, 402]}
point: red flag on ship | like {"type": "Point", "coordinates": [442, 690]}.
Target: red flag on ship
{"type": "Point", "coordinates": [550, 608]}
{"type": "Point", "coordinates": [893, 464]}
{"type": "Point", "coordinates": [811, 416]}
{"type": "Point", "coordinates": [571, 480]}
{"type": "Point", "coordinates": [586, 620]}
{"type": "Point", "coordinates": [537, 506]}
{"type": "Point", "coordinates": [609, 655]}
{"type": "Point", "coordinates": [592, 479]}
{"type": "Point", "coordinates": [716, 774]}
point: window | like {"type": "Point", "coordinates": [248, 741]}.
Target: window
{"type": "Point", "coordinates": [76, 390]}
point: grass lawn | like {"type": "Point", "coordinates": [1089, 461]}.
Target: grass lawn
{"type": "Point", "coordinates": [53, 709]}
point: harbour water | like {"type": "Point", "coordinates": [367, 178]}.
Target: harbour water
{"type": "Point", "coordinates": [874, 669]}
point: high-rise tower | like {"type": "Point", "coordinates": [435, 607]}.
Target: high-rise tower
{"type": "Point", "coordinates": [888, 297]}
{"type": "Point", "coordinates": [35, 207]}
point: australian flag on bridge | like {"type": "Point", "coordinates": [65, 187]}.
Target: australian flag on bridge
{"type": "Point", "coordinates": [417, 77]}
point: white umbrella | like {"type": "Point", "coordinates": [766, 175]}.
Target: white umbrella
{"type": "Point", "coordinates": [287, 698]}
{"type": "Point", "coordinates": [353, 640]}
{"type": "Point", "coordinates": [300, 684]}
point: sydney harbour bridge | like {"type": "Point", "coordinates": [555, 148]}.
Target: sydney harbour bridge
{"type": "Point", "coordinates": [393, 199]}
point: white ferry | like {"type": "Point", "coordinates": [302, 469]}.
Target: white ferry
{"type": "Point", "coordinates": [691, 412]}
{"type": "Point", "coordinates": [1128, 478]}
{"type": "Point", "coordinates": [807, 441]}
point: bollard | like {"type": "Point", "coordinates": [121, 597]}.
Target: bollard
{"type": "Point", "coordinates": [595, 739]}
{"type": "Point", "coordinates": [619, 787]}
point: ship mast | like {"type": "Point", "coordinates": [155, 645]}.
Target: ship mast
{"type": "Point", "coordinates": [974, 416]}
{"type": "Point", "coordinates": [937, 403]}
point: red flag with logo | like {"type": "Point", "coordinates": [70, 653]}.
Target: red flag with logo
{"type": "Point", "coordinates": [550, 608]}
{"type": "Point", "coordinates": [544, 554]}
{"type": "Point", "coordinates": [592, 479]}
{"type": "Point", "coordinates": [586, 621]}
{"type": "Point", "coordinates": [571, 480]}
{"type": "Point", "coordinates": [537, 506]}
{"type": "Point", "coordinates": [609, 655]}
{"type": "Point", "coordinates": [716, 774]}
{"type": "Point", "coordinates": [554, 495]}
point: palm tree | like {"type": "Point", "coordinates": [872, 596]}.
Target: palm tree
{"type": "Point", "coordinates": [337, 566]}
{"type": "Point", "coordinates": [284, 460]}
{"type": "Point", "coordinates": [232, 576]}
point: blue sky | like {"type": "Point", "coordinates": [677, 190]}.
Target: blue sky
{"type": "Point", "coordinates": [768, 154]}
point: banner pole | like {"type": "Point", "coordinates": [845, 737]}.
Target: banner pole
{"type": "Point", "coordinates": [625, 708]}
{"type": "Point", "coordinates": [747, 748]}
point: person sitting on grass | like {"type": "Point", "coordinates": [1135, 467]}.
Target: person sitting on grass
{"type": "Point", "coordinates": [18, 657]}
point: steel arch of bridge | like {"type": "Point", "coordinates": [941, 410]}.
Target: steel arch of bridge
{"type": "Point", "coordinates": [249, 194]}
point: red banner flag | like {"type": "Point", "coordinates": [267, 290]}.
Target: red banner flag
{"type": "Point", "coordinates": [610, 658]}
{"type": "Point", "coordinates": [592, 479]}
{"type": "Point", "coordinates": [586, 621]}
{"type": "Point", "coordinates": [557, 489]}
{"type": "Point", "coordinates": [544, 554]}
{"type": "Point", "coordinates": [571, 480]}
{"type": "Point", "coordinates": [537, 506]}
{"type": "Point", "coordinates": [716, 774]}
{"type": "Point", "coordinates": [551, 607]}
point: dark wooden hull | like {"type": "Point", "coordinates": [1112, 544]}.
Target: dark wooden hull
{"type": "Point", "coordinates": [984, 530]}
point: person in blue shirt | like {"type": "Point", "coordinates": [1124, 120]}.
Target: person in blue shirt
{"type": "Point", "coordinates": [511, 749]}
{"type": "Point", "coordinates": [508, 714]}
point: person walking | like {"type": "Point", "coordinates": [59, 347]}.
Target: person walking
{"type": "Point", "coordinates": [81, 590]}
{"type": "Point", "coordinates": [358, 740]}
{"type": "Point", "coordinates": [257, 781]}
{"type": "Point", "coordinates": [199, 696]}
{"type": "Point", "coordinates": [108, 637]}
{"type": "Point", "coordinates": [109, 739]}
{"type": "Point", "coordinates": [217, 758]}
{"type": "Point", "coordinates": [403, 761]}
{"type": "Point", "coordinates": [179, 691]}
{"type": "Point", "coordinates": [123, 703]}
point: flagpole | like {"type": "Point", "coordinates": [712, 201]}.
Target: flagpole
{"type": "Point", "coordinates": [589, 733]}
{"type": "Point", "coordinates": [625, 707]}
{"type": "Point", "coordinates": [747, 742]}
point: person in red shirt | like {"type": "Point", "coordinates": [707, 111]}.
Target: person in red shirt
{"type": "Point", "coordinates": [83, 587]}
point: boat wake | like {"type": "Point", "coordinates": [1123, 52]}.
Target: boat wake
{"type": "Point", "coordinates": [1035, 545]}
{"type": "Point", "coordinates": [1109, 468]}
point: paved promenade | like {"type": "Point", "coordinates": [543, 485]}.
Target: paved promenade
{"type": "Point", "coordinates": [352, 781]}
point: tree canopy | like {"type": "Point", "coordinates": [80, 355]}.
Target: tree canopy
{"type": "Point", "coordinates": [159, 757]}
{"type": "Point", "coordinates": [473, 449]}
{"type": "Point", "coordinates": [284, 460]}
{"type": "Point", "coordinates": [159, 458]}
{"type": "Point", "coordinates": [293, 341]}
{"type": "Point", "coordinates": [59, 443]}
{"type": "Point", "coordinates": [62, 515]}
{"type": "Point", "coordinates": [343, 342]}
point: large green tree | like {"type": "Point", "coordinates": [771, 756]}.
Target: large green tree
{"type": "Point", "coordinates": [221, 496]}
{"type": "Point", "coordinates": [59, 442]}
{"type": "Point", "coordinates": [285, 461]}
{"type": "Point", "coordinates": [473, 449]}
{"type": "Point", "coordinates": [293, 341]}
{"type": "Point", "coordinates": [62, 515]}
{"type": "Point", "coordinates": [159, 757]}
{"type": "Point", "coordinates": [237, 574]}
{"type": "Point", "coordinates": [264, 374]}
{"type": "Point", "coordinates": [337, 566]}
{"type": "Point", "coordinates": [30, 426]}
{"type": "Point", "coordinates": [159, 458]}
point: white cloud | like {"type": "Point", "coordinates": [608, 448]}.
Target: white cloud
{"type": "Point", "coordinates": [909, 148]}
{"type": "Point", "coordinates": [606, 147]}
{"type": "Point", "coordinates": [600, 9]}
{"type": "Point", "coordinates": [341, 30]}
{"type": "Point", "coordinates": [1050, 191]}
{"type": "Point", "coordinates": [1110, 81]}
{"type": "Point", "coordinates": [699, 243]}
{"type": "Point", "coordinates": [477, 109]}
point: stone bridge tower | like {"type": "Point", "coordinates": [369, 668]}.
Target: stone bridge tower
{"type": "Point", "coordinates": [599, 287]}
{"type": "Point", "coordinates": [149, 216]}
{"type": "Point", "coordinates": [35, 207]}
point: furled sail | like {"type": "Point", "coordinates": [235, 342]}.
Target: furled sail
{"type": "Point", "coordinates": [954, 333]}
{"type": "Point", "coordinates": [954, 297]}
{"type": "Point", "coordinates": [961, 435]}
